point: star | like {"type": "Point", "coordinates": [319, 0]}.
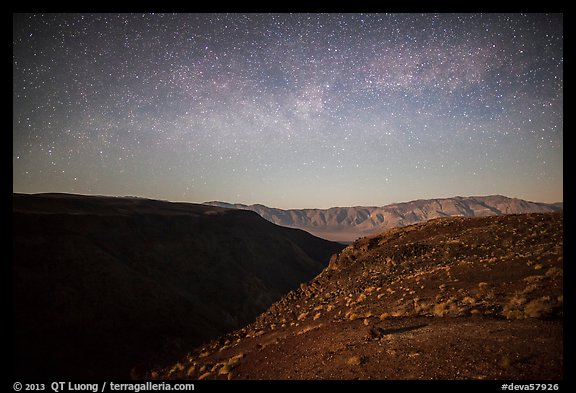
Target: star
{"type": "Point", "coordinates": [289, 110]}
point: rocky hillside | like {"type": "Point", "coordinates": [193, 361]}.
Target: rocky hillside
{"type": "Point", "coordinates": [452, 298]}
{"type": "Point", "coordinates": [346, 224]}
{"type": "Point", "coordinates": [102, 284]}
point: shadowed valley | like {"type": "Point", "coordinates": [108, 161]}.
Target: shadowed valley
{"type": "Point", "coordinates": [102, 285]}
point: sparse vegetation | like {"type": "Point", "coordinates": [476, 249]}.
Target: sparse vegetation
{"type": "Point", "coordinates": [308, 329]}
{"type": "Point", "coordinates": [355, 360]}
{"type": "Point", "coordinates": [436, 302]}
{"type": "Point", "coordinates": [204, 376]}
{"type": "Point", "coordinates": [447, 308]}
{"type": "Point", "coordinates": [554, 272]}
{"type": "Point", "coordinates": [535, 300]}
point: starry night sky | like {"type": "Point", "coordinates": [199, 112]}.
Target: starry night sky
{"type": "Point", "coordinates": [289, 110]}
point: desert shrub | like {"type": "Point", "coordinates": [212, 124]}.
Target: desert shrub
{"type": "Point", "coordinates": [355, 360]}
{"type": "Point", "coordinates": [519, 307]}
{"type": "Point", "coordinates": [404, 309]}
{"type": "Point", "coordinates": [555, 272]}
{"type": "Point", "coordinates": [533, 280]}
{"type": "Point", "coordinates": [512, 313]}
{"type": "Point", "coordinates": [421, 307]}
{"type": "Point", "coordinates": [225, 370]}
{"type": "Point", "coordinates": [540, 308]}
{"type": "Point", "coordinates": [532, 288]}
{"type": "Point", "coordinates": [176, 369]}
{"type": "Point", "coordinates": [485, 291]}
{"type": "Point", "coordinates": [447, 308]}
{"type": "Point", "coordinates": [505, 361]}
{"type": "Point", "coordinates": [514, 308]}
{"type": "Point", "coordinates": [204, 376]}
{"type": "Point", "coordinates": [308, 329]}
{"type": "Point", "coordinates": [235, 359]}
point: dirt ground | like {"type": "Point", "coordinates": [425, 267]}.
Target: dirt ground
{"type": "Point", "coordinates": [451, 299]}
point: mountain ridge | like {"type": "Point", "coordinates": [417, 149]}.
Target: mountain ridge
{"type": "Point", "coordinates": [101, 284]}
{"type": "Point", "coordinates": [346, 224]}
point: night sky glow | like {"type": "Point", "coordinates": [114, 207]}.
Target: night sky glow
{"type": "Point", "coordinates": [289, 110]}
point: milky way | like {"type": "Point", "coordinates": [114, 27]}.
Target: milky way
{"type": "Point", "coordinates": [289, 110]}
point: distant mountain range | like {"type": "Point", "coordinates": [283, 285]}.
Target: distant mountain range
{"type": "Point", "coordinates": [345, 224]}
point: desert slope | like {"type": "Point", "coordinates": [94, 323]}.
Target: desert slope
{"type": "Point", "coordinates": [101, 284]}
{"type": "Point", "coordinates": [452, 298]}
{"type": "Point", "coordinates": [346, 224]}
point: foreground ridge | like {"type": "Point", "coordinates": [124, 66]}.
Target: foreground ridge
{"type": "Point", "coordinates": [105, 284]}
{"type": "Point", "coordinates": [452, 298]}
